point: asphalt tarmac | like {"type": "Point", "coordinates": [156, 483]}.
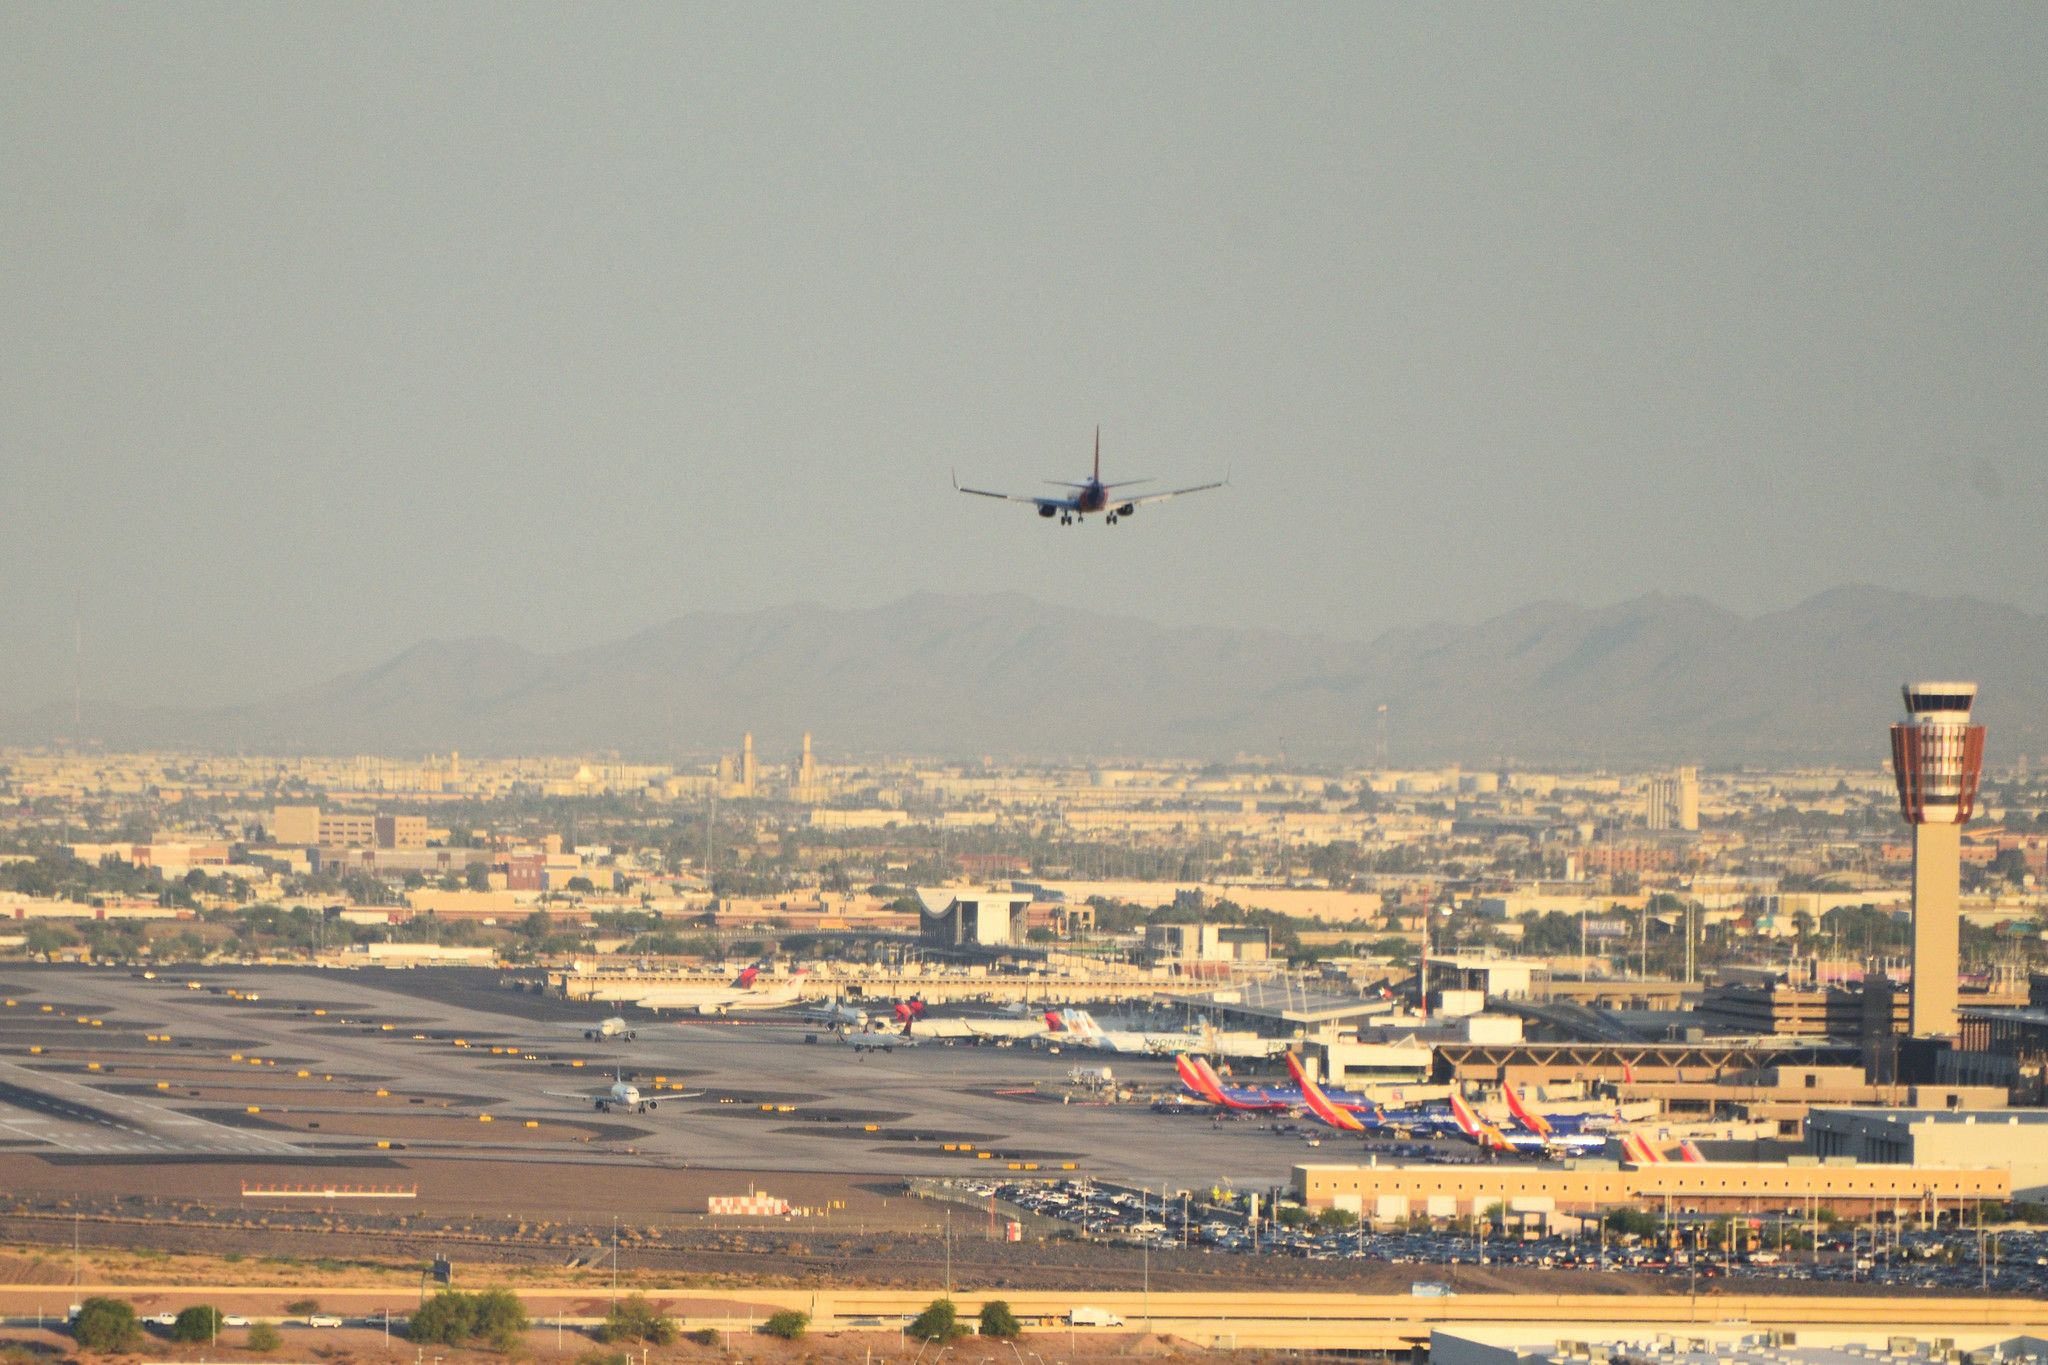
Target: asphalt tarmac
{"type": "Point", "coordinates": [185, 1072]}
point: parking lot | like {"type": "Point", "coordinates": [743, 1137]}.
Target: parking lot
{"type": "Point", "coordinates": [2010, 1260]}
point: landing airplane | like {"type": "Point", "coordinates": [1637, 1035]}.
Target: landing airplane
{"type": "Point", "coordinates": [1092, 496]}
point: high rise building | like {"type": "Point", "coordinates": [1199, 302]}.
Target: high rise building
{"type": "Point", "coordinates": [1937, 756]}
{"type": "Point", "coordinates": [806, 777]}
{"type": "Point", "coordinates": [1673, 800]}
{"type": "Point", "coordinates": [748, 773]}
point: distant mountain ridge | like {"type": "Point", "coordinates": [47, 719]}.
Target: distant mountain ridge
{"type": "Point", "coordinates": [1653, 680]}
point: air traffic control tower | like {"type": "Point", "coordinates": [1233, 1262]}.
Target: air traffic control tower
{"type": "Point", "coordinates": [1937, 756]}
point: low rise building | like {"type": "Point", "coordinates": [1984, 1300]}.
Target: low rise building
{"type": "Point", "coordinates": [1606, 1342]}
{"type": "Point", "coordinates": [2013, 1140]}
{"type": "Point", "coordinates": [1388, 1193]}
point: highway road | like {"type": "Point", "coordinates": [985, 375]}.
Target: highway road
{"type": "Point", "coordinates": [1307, 1321]}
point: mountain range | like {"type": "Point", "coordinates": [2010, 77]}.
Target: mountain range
{"type": "Point", "coordinates": [1658, 679]}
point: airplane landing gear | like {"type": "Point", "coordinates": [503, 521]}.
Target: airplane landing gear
{"type": "Point", "coordinates": [1111, 519]}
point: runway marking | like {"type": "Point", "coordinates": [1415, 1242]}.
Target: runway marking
{"type": "Point", "coordinates": [256, 1143]}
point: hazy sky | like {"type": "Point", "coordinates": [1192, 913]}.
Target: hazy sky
{"type": "Point", "coordinates": [330, 327]}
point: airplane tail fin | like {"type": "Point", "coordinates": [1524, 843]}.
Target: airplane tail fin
{"type": "Point", "coordinates": [1212, 1084]}
{"type": "Point", "coordinates": [1528, 1118]}
{"type": "Point", "coordinates": [1318, 1103]}
{"type": "Point", "coordinates": [1195, 1076]}
{"type": "Point", "coordinates": [1691, 1152]}
{"type": "Point", "coordinates": [1098, 452]}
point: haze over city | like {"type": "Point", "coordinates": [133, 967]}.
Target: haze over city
{"type": "Point", "coordinates": [749, 683]}
{"type": "Point", "coordinates": [333, 329]}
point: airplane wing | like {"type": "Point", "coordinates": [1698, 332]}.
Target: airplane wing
{"type": "Point", "coordinates": [1040, 501]}
{"type": "Point", "coordinates": [1170, 493]}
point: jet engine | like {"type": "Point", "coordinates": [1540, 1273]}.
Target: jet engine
{"type": "Point", "coordinates": [1126, 509]}
{"type": "Point", "coordinates": [1046, 509]}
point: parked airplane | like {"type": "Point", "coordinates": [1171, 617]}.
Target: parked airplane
{"type": "Point", "coordinates": [1643, 1152]}
{"type": "Point", "coordinates": [746, 992]}
{"type": "Point", "coordinates": [1091, 496]}
{"type": "Point", "coordinates": [1205, 1038]}
{"type": "Point", "coordinates": [1565, 1134]}
{"type": "Point", "coordinates": [1200, 1077]}
{"type": "Point", "coordinates": [1004, 1028]}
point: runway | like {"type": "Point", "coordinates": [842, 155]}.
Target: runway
{"type": "Point", "coordinates": [299, 1065]}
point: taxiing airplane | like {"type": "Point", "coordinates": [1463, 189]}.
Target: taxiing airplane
{"type": "Point", "coordinates": [878, 1040]}
{"type": "Point", "coordinates": [1091, 496]}
{"type": "Point", "coordinates": [612, 1028]}
{"type": "Point", "coordinates": [623, 1096]}
{"type": "Point", "coordinates": [837, 1015]}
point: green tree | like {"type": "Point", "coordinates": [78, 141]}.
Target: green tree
{"type": "Point", "coordinates": [789, 1324]}
{"type": "Point", "coordinates": [495, 1317]}
{"type": "Point", "coordinates": [263, 1337]}
{"type": "Point", "coordinates": [998, 1321]}
{"type": "Point", "coordinates": [1633, 1223]}
{"type": "Point", "coordinates": [200, 1322]}
{"type": "Point", "coordinates": [478, 877]}
{"type": "Point", "coordinates": [2011, 864]}
{"type": "Point", "coordinates": [940, 1321]}
{"type": "Point", "coordinates": [581, 885]}
{"type": "Point", "coordinates": [106, 1325]}
{"type": "Point", "coordinates": [635, 1319]}
{"type": "Point", "coordinates": [44, 939]}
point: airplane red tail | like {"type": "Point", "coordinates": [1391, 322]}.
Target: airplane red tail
{"type": "Point", "coordinates": [1529, 1119]}
{"type": "Point", "coordinates": [745, 980]}
{"type": "Point", "coordinates": [1638, 1149]}
{"type": "Point", "coordinates": [1474, 1127]}
{"type": "Point", "coordinates": [1198, 1079]}
{"type": "Point", "coordinates": [1690, 1152]}
{"type": "Point", "coordinates": [1318, 1103]}
{"type": "Point", "coordinates": [1052, 1022]}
